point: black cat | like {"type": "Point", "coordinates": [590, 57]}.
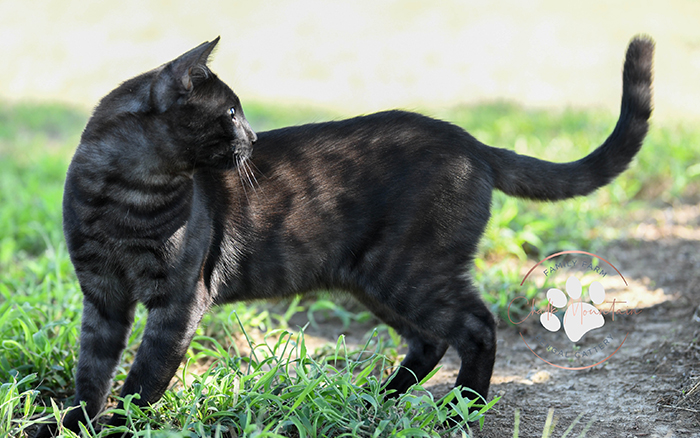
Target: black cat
{"type": "Point", "coordinates": [389, 207]}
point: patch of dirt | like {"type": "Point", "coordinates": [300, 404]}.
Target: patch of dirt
{"type": "Point", "coordinates": [649, 388]}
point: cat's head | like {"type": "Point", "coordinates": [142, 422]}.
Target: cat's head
{"type": "Point", "coordinates": [184, 101]}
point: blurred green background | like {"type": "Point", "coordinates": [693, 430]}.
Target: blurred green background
{"type": "Point", "coordinates": [358, 56]}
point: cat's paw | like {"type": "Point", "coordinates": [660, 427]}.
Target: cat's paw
{"type": "Point", "coordinates": [580, 317]}
{"type": "Point", "coordinates": [47, 430]}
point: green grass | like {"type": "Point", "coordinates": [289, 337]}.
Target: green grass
{"type": "Point", "coordinates": [280, 390]}
{"type": "Point", "coordinates": [283, 388]}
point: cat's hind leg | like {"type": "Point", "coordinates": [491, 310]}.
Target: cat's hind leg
{"type": "Point", "coordinates": [424, 352]}
{"type": "Point", "coordinates": [435, 314]}
{"type": "Point", "coordinates": [472, 332]}
{"type": "Point", "coordinates": [422, 357]}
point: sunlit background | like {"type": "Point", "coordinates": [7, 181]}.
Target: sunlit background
{"type": "Point", "coordinates": [358, 56]}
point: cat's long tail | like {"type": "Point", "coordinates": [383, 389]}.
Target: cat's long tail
{"type": "Point", "coordinates": [528, 177]}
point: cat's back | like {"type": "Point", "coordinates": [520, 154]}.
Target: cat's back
{"type": "Point", "coordinates": [391, 139]}
{"type": "Point", "coordinates": [396, 124]}
{"type": "Point", "coordinates": [389, 166]}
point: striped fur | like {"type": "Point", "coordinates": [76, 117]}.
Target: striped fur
{"type": "Point", "coordinates": [164, 204]}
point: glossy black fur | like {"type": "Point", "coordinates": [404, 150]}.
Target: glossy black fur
{"type": "Point", "coordinates": [163, 206]}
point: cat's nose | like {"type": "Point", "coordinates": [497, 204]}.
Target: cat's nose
{"type": "Point", "coordinates": [252, 136]}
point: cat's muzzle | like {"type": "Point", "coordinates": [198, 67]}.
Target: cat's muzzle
{"type": "Point", "coordinates": [243, 145]}
{"type": "Point", "coordinates": [252, 136]}
{"type": "Point", "coordinates": [243, 150]}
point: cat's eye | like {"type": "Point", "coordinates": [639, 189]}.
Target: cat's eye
{"type": "Point", "coordinates": [232, 112]}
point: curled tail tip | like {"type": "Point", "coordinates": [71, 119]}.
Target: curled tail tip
{"type": "Point", "coordinates": [639, 59]}
{"type": "Point", "coordinates": [642, 41]}
{"type": "Point", "coordinates": [637, 77]}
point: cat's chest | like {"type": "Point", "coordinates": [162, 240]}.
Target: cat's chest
{"type": "Point", "coordinates": [172, 248]}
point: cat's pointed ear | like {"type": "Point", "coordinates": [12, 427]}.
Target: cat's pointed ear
{"type": "Point", "coordinates": [192, 66]}
{"type": "Point", "coordinates": [179, 77]}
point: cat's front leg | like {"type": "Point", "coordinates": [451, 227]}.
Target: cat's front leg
{"type": "Point", "coordinates": [103, 337]}
{"type": "Point", "coordinates": [172, 323]}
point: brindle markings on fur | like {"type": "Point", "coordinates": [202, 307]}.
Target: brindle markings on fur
{"type": "Point", "coordinates": [389, 207]}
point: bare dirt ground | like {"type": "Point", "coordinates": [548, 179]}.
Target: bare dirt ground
{"type": "Point", "coordinates": [650, 388]}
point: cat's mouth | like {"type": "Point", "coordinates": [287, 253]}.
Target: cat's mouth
{"type": "Point", "coordinates": [243, 147]}
{"type": "Point", "coordinates": [243, 151]}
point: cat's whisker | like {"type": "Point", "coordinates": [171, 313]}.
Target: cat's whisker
{"type": "Point", "coordinates": [252, 172]}
{"type": "Point", "coordinates": [246, 173]}
{"type": "Point", "coordinates": [240, 177]}
{"type": "Point", "coordinates": [250, 162]}
{"type": "Point", "coordinates": [251, 175]}
{"type": "Point", "coordinates": [252, 169]}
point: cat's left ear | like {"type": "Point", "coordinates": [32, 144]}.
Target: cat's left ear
{"type": "Point", "coordinates": [179, 77]}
